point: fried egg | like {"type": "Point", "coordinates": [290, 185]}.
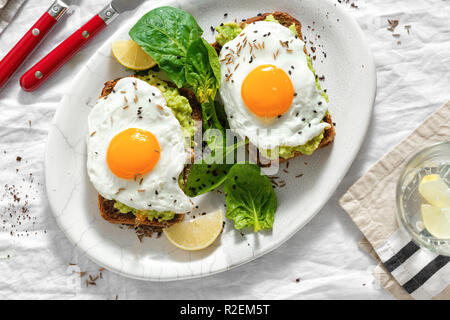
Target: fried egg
{"type": "Point", "coordinates": [268, 90]}
{"type": "Point", "coordinates": [136, 149]}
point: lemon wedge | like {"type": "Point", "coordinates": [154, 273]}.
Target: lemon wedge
{"type": "Point", "coordinates": [196, 234]}
{"type": "Point", "coordinates": [435, 191]}
{"type": "Point", "coordinates": [129, 54]}
{"type": "Point", "coordinates": [436, 221]}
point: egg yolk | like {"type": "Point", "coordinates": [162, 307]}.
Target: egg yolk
{"type": "Point", "coordinates": [267, 91]}
{"type": "Point", "coordinates": [133, 152]}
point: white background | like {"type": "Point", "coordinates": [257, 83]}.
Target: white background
{"type": "Point", "coordinates": [413, 81]}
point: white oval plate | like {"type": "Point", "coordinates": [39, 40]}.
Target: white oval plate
{"type": "Point", "coordinates": [351, 83]}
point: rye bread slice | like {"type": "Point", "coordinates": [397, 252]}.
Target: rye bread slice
{"type": "Point", "coordinates": [106, 207]}
{"type": "Point", "coordinates": [286, 20]}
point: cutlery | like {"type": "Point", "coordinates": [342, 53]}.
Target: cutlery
{"type": "Point", "coordinates": [45, 68]}
{"type": "Point", "coordinates": [12, 61]}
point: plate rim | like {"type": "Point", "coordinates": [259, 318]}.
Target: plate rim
{"type": "Point", "coordinates": [276, 244]}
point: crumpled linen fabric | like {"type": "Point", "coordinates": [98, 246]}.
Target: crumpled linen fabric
{"type": "Point", "coordinates": [39, 262]}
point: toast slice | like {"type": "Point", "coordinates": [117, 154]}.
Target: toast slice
{"type": "Point", "coordinates": [286, 20]}
{"type": "Point", "coordinates": [106, 207]}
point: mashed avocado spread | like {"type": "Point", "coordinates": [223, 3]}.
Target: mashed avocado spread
{"type": "Point", "coordinates": [230, 30]}
{"type": "Point", "coordinates": [149, 214]}
{"type": "Point", "coordinates": [180, 105]}
{"type": "Point", "coordinates": [183, 112]}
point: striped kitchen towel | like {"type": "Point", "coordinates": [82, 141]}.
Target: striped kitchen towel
{"type": "Point", "coordinates": [405, 270]}
{"type": "Point", "coordinates": [8, 10]}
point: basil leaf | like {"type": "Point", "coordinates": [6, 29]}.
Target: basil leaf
{"type": "Point", "coordinates": [166, 33]}
{"type": "Point", "coordinates": [251, 200]}
{"type": "Point", "coordinates": [203, 70]}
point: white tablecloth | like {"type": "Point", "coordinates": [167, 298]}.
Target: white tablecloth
{"type": "Point", "coordinates": [413, 81]}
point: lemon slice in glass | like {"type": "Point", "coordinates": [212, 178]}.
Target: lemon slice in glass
{"type": "Point", "coordinates": [436, 221]}
{"type": "Point", "coordinates": [435, 191]}
{"type": "Point", "coordinates": [129, 54]}
{"type": "Point", "coordinates": [196, 234]}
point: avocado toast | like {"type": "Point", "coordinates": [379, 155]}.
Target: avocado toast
{"type": "Point", "coordinates": [287, 21]}
{"type": "Point", "coordinates": [107, 208]}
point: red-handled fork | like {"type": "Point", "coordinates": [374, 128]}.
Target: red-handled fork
{"type": "Point", "coordinates": [12, 61]}
{"type": "Point", "coordinates": [40, 72]}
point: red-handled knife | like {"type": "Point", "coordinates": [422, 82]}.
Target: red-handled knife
{"type": "Point", "coordinates": [12, 61]}
{"type": "Point", "coordinates": [40, 72]}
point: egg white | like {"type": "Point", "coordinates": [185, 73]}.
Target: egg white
{"type": "Point", "coordinates": [303, 121]}
{"type": "Point", "coordinates": [119, 111]}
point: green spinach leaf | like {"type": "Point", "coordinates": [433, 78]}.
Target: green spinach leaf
{"type": "Point", "coordinates": [203, 70]}
{"type": "Point", "coordinates": [204, 177]}
{"type": "Point", "coordinates": [208, 175]}
{"type": "Point", "coordinates": [251, 200]}
{"type": "Point", "coordinates": [221, 115]}
{"type": "Point", "coordinates": [166, 33]}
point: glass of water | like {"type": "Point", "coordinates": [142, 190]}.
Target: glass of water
{"type": "Point", "coordinates": [435, 161]}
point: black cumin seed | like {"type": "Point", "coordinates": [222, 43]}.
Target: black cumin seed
{"type": "Point", "coordinates": [303, 119]}
{"type": "Point", "coordinates": [174, 179]}
{"type": "Point", "coordinates": [295, 94]}
{"type": "Point", "coordinates": [225, 15]}
{"type": "Point", "coordinates": [156, 192]}
{"type": "Point", "coordinates": [320, 103]}
{"type": "Point", "coordinates": [198, 179]}
{"type": "Point", "coordinates": [279, 116]}
{"type": "Point", "coordinates": [299, 132]}
{"type": "Point", "coordinates": [149, 100]}
{"type": "Point", "coordinates": [309, 125]}
{"type": "Point", "coordinates": [221, 24]}
{"type": "Point", "coordinates": [212, 29]}
{"type": "Point", "coordinates": [296, 114]}
{"type": "Point", "coordinates": [259, 14]}
{"type": "Point", "coordinates": [315, 111]}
